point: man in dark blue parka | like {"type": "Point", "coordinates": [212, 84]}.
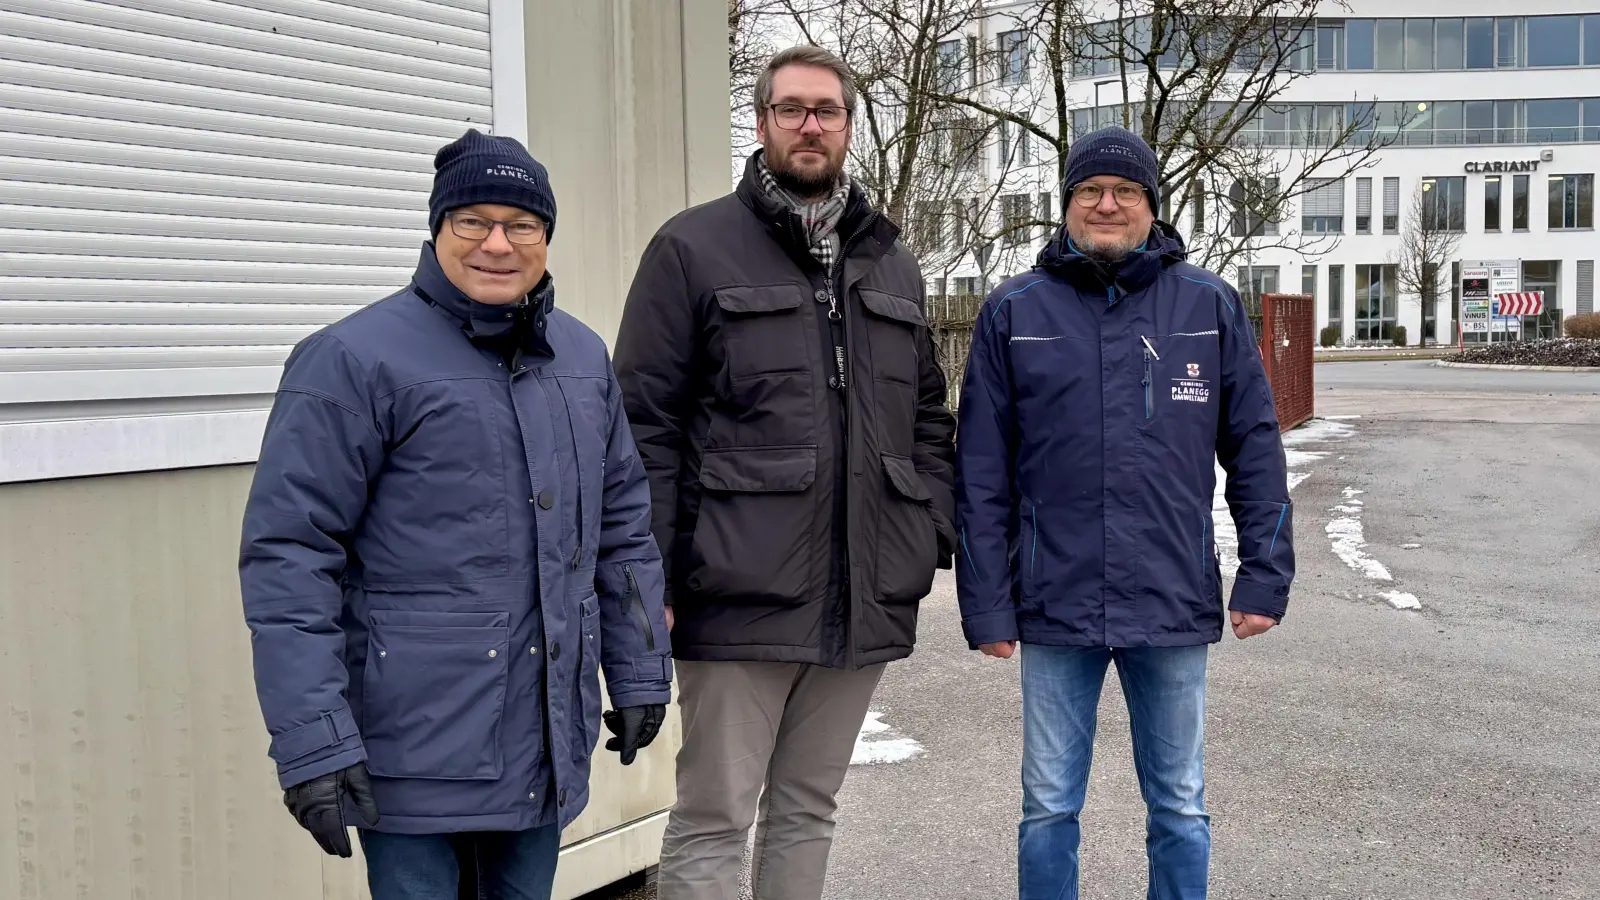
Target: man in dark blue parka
{"type": "Point", "coordinates": [447, 537]}
{"type": "Point", "coordinates": [1103, 387]}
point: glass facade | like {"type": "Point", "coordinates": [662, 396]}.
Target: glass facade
{"type": "Point", "coordinates": [1377, 302]}
{"type": "Point", "coordinates": [1433, 45]}
{"type": "Point", "coordinates": [1410, 123]}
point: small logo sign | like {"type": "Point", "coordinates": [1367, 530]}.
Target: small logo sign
{"type": "Point", "coordinates": [1194, 370]}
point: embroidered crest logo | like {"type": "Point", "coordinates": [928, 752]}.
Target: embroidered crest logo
{"type": "Point", "coordinates": [1194, 370]}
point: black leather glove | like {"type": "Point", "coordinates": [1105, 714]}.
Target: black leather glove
{"type": "Point", "coordinates": [318, 805]}
{"type": "Point", "coordinates": [635, 727]}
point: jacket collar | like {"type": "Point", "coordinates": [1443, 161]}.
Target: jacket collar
{"type": "Point", "coordinates": [520, 326]}
{"type": "Point", "coordinates": [1137, 271]}
{"type": "Point", "coordinates": [786, 226]}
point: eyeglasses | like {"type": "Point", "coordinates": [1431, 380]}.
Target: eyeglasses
{"type": "Point", "coordinates": [1088, 194]}
{"type": "Point", "coordinates": [473, 227]}
{"type": "Point", "coordinates": [792, 116]}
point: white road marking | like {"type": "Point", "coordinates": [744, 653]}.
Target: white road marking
{"type": "Point", "coordinates": [877, 751]}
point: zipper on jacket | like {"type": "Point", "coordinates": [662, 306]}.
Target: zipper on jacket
{"type": "Point", "coordinates": [636, 604]}
{"type": "Point", "coordinates": [836, 288]}
{"type": "Point", "coordinates": [1149, 394]}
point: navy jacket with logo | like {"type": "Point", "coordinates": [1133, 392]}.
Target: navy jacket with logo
{"type": "Point", "coordinates": [1093, 409]}
{"type": "Point", "coordinates": [446, 541]}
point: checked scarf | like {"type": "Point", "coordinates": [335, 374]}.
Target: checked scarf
{"type": "Point", "coordinates": [821, 219]}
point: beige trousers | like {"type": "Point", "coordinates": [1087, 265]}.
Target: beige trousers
{"type": "Point", "coordinates": [784, 727]}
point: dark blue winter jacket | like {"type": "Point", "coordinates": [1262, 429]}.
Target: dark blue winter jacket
{"type": "Point", "coordinates": [447, 533]}
{"type": "Point", "coordinates": [1093, 409]}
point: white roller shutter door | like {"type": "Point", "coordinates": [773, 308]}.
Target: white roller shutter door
{"type": "Point", "coordinates": [188, 187]}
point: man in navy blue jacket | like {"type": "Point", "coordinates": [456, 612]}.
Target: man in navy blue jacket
{"type": "Point", "coordinates": [1103, 386]}
{"type": "Point", "coordinates": [447, 539]}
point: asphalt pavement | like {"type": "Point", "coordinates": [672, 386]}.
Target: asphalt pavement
{"type": "Point", "coordinates": [1450, 752]}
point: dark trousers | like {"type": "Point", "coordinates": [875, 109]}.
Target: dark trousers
{"type": "Point", "coordinates": [474, 865]}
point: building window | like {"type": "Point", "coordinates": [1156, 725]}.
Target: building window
{"type": "Point", "coordinates": [1591, 40]}
{"type": "Point", "coordinates": [1308, 281]}
{"type": "Point", "coordinates": [1508, 43]}
{"type": "Point", "coordinates": [1248, 202]}
{"type": "Point", "coordinates": [1448, 48]}
{"type": "Point", "coordinates": [1444, 204]}
{"type": "Point", "coordinates": [1555, 40]}
{"type": "Point", "coordinates": [1389, 45]}
{"type": "Point", "coordinates": [1043, 205]}
{"type": "Point", "coordinates": [1571, 202]}
{"type": "Point", "coordinates": [1479, 118]}
{"type": "Point", "coordinates": [1335, 294]}
{"type": "Point", "coordinates": [1016, 211]}
{"type": "Point", "coordinates": [1544, 276]}
{"type": "Point", "coordinates": [1391, 206]}
{"type": "Point", "coordinates": [1330, 45]}
{"type": "Point", "coordinates": [1491, 203]}
{"type": "Point", "coordinates": [1552, 121]}
{"type": "Point", "coordinates": [1013, 57]}
{"type": "Point", "coordinates": [1480, 43]}
{"type": "Point", "coordinates": [1197, 205]}
{"type": "Point", "coordinates": [1585, 300]}
{"type": "Point", "coordinates": [1377, 302]}
{"type": "Point", "coordinates": [951, 66]}
{"type": "Point", "coordinates": [929, 227]}
{"type": "Point", "coordinates": [1363, 206]}
{"type": "Point", "coordinates": [1419, 44]}
{"type": "Point", "coordinates": [1322, 207]}
{"type": "Point", "coordinates": [1255, 281]}
{"type": "Point", "coordinates": [1358, 44]}
{"type": "Point", "coordinates": [1519, 203]}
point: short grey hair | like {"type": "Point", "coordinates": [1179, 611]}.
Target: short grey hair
{"type": "Point", "coordinates": [805, 55]}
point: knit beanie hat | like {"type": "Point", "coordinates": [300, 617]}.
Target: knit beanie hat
{"type": "Point", "coordinates": [1113, 150]}
{"type": "Point", "coordinates": [478, 168]}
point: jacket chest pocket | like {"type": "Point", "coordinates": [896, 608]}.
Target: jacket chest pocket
{"type": "Point", "coordinates": [893, 325]}
{"type": "Point", "coordinates": [763, 333]}
{"type": "Point", "coordinates": [1180, 376]}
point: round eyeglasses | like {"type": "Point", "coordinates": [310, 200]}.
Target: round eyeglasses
{"type": "Point", "coordinates": [1088, 194]}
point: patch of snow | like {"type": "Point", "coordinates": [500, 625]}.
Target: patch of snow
{"type": "Point", "coordinates": [1297, 458]}
{"type": "Point", "coordinates": [1318, 431]}
{"type": "Point", "coordinates": [1350, 545]}
{"type": "Point", "coordinates": [1401, 599]}
{"type": "Point", "coordinates": [1296, 477]}
{"type": "Point", "coordinates": [882, 750]}
{"type": "Point", "coordinates": [1341, 418]}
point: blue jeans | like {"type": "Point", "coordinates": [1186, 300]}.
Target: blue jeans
{"type": "Point", "coordinates": [1165, 689]}
{"type": "Point", "coordinates": [472, 865]}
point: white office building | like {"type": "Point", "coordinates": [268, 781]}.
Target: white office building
{"type": "Point", "coordinates": [1495, 117]}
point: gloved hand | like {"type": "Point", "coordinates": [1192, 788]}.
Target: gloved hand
{"type": "Point", "coordinates": [318, 805]}
{"type": "Point", "coordinates": [635, 727]}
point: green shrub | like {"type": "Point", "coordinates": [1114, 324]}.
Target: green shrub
{"type": "Point", "coordinates": [1331, 335]}
{"type": "Point", "coordinates": [1400, 336]}
{"type": "Point", "coordinates": [1584, 326]}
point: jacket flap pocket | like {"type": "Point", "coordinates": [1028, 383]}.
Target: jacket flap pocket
{"type": "Point", "coordinates": [759, 298]}
{"type": "Point", "coordinates": [759, 469]}
{"type": "Point", "coordinates": [443, 620]}
{"type": "Point", "coordinates": [892, 306]}
{"type": "Point", "coordinates": [903, 475]}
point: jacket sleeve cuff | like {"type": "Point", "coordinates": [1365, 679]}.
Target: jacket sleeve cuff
{"type": "Point", "coordinates": [990, 628]}
{"type": "Point", "coordinates": [325, 744]}
{"type": "Point", "coordinates": [651, 683]}
{"type": "Point", "coordinates": [1258, 599]}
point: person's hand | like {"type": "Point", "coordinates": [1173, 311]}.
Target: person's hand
{"type": "Point", "coordinates": [318, 805]}
{"type": "Point", "coordinates": [1249, 624]}
{"type": "Point", "coordinates": [669, 618]}
{"type": "Point", "coordinates": [999, 649]}
{"type": "Point", "coordinates": [635, 727]}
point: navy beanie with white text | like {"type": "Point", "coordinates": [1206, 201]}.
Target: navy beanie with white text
{"type": "Point", "coordinates": [480, 168]}
{"type": "Point", "coordinates": [1113, 150]}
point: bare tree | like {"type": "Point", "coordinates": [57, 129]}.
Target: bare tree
{"type": "Point", "coordinates": [1429, 241]}
{"type": "Point", "coordinates": [1205, 84]}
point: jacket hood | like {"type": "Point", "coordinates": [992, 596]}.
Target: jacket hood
{"type": "Point", "coordinates": [524, 322]}
{"type": "Point", "coordinates": [1162, 248]}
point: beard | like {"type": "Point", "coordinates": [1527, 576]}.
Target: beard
{"type": "Point", "coordinates": [805, 183]}
{"type": "Point", "coordinates": [1106, 251]}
